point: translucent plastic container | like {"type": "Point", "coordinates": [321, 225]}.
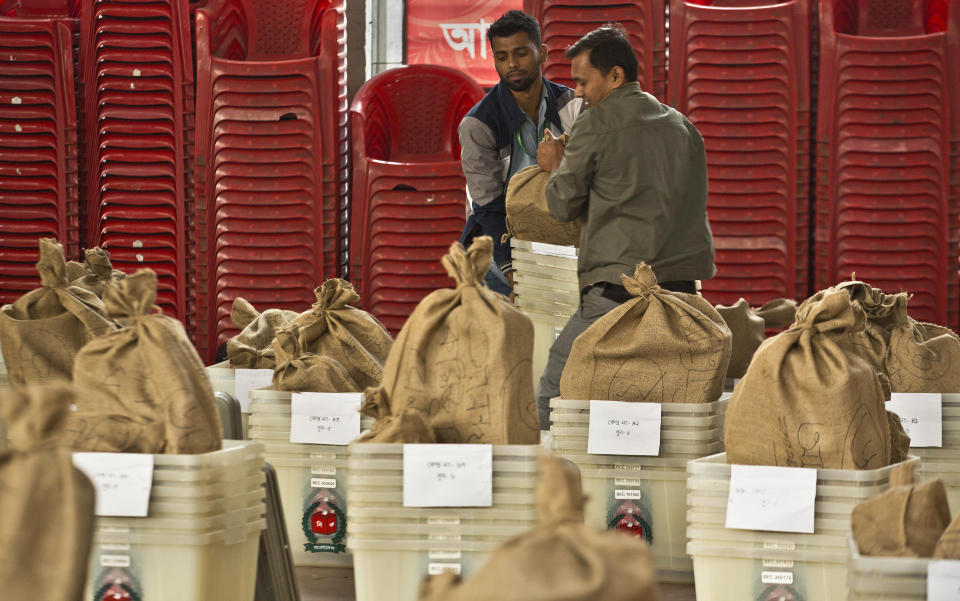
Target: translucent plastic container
{"type": "Point", "coordinates": [546, 329]}
{"type": "Point", "coordinates": [943, 464]}
{"type": "Point", "coordinates": [178, 565]}
{"type": "Point", "coordinates": [885, 578]}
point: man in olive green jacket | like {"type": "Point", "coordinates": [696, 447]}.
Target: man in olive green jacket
{"type": "Point", "coordinates": [635, 173]}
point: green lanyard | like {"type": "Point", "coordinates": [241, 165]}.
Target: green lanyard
{"type": "Point", "coordinates": [523, 148]}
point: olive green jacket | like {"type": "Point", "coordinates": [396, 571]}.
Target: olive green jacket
{"type": "Point", "coordinates": [635, 173]}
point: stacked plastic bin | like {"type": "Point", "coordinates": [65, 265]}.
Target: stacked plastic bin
{"type": "Point", "coordinates": [563, 22]}
{"type": "Point", "coordinates": [944, 462]}
{"type": "Point", "coordinates": [136, 89]}
{"type": "Point", "coordinates": [269, 171]}
{"type": "Point", "coordinates": [201, 536]}
{"type": "Point", "coordinates": [408, 190]}
{"type": "Point", "coordinates": [312, 480]}
{"type": "Point", "coordinates": [886, 578]}
{"type": "Point", "coordinates": [643, 496]}
{"type": "Point", "coordinates": [547, 289]}
{"type": "Point", "coordinates": [394, 546]}
{"type": "Point", "coordinates": [739, 70]}
{"type": "Point", "coordinates": [38, 149]}
{"type": "Point", "coordinates": [732, 564]}
{"type": "Point", "coordinates": [889, 112]}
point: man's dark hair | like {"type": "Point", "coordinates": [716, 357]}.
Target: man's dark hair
{"type": "Point", "coordinates": [514, 21]}
{"type": "Point", "coordinates": [609, 47]}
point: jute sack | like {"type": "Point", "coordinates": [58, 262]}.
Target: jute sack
{"type": "Point", "coordinates": [98, 272]}
{"type": "Point", "coordinates": [905, 521]}
{"type": "Point", "coordinates": [407, 426]}
{"type": "Point", "coordinates": [778, 313]}
{"type": "Point", "coordinates": [923, 357]}
{"type": "Point", "coordinates": [948, 547]}
{"type": "Point", "coordinates": [558, 560]}
{"type": "Point", "coordinates": [353, 338]}
{"type": "Point", "coordinates": [464, 360]}
{"type": "Point", "coordinates": [303, 371]}
{"type": "Point", "coordinates": [142, 389]}
{"type": "Point", "coordinates": [747, 331]}
{"type": "Point", "coordinates": [42, 331]}
{"type": "Point", "coordinates": [899, 440]}
{"type": "Point", "coordinates": [807, 400]}
{"type": "Point", "coordinates": [528, 217]}
{"type": "Point", "coordinates": [660, 347]}
{"type": "Point", "coordinates": [252, 348]}
{"type": "Point", "coordinates": [47, 504]}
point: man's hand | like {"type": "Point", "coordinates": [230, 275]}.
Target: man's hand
{"type": "Point", "coordinates": [550, 151]}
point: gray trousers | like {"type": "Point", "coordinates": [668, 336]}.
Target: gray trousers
{"type": "Point", "coordinates": [593, 306]}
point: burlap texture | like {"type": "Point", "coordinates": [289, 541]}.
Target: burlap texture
{"type": "Point", "coordinates": [47, 529]}
{"type": "Point", "coordinates": [353, 338]}
{"type": "Point", "coordinates": [747, 330]}
{"type": "Point", "coordinates": [252, 348]}
{"type": "Point", "coordinates": [923, 357]}
{"type": "Point", "coordinates": [142, 389]}
{"type": "Point", "coordinates": [948, 547]}
{"type": "Point", "coordinates": [528, 217]}
{"type": "Point", "coordinates": [98, 272]}
{"type": "Point", "coordinates": [904, 521]}
{"type": "Point", "coordinates": [300, 370]}
{"type": "Point", "coordinates": [464, 360]}
{"type": "Point", "coordinates": [407, 426]}
{"type": "Point", "coordinates": [560, 559]}
{"type": "Point", "coordinates": [660, 347]}
{"type": "Point", "coordinates": [44, 329]}
{"type": "Point", "coordinates": [899, 441]}
{"type": "Point", "coordinates": [807, 400]}
{"type": "Point", "coordinates": [778, 313]}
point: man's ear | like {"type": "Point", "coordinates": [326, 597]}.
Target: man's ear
{"type": "Point", "coordinates": [543, 54]}
{"type": "Point", "coordinates": [617, 76]}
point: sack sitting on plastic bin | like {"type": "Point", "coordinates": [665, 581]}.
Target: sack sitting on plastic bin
{"type": "Point", "coordinates": [98, 272]}
{"type": "Point", "coordinates": [252, 348]}
{"type": "Point", "coordinates": [528, 217]}
{"type": "Point", "coordinates": [659, 347]}
{"type": "Point", "coordinates": [302, 371]}
{"type": "Point", "coordinates": [808, 400]}
{"type": "Point", "coordinates": [47, 504]}
{"type": "Point", "coordinates": [463, 360]}
{"type": "Point", "coordinates": [560, 559]}
{"type": "Point", "coordinates": [142, 389]}
{"type": "Point", "coordinates": [42, 331]}
{"type": "Point", "coordinates": [923, 357]}
{"type": "Point", "coordinates": [350, 336]}
{"type": "Point", "coordinates": [748, 328]}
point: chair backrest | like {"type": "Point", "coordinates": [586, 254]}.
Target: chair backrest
{"type": "Point", "coordinates": [266, 29]}
{"type": "Point", "coordinates": [39, 9]}
{"type": "Point", "coordinates": [411, 113]}
{"type": "Point", "coordinates": [890, 18]}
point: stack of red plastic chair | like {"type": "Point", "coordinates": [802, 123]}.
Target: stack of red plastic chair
{"type": "Point", "coordinates": [271, 156]}
{"type": "Point", "coordinates": [889, 110]}
{"type": "Point", "coordinates": [563, 22]}
{"type": "Point", "coordinates": [137, 93]}
{"type": "Point", "coordinates": [409, 193]}
{"type": "Point", "coordinates": [739, 70]}
{"type": "Point", "coordinates": [38, 146]}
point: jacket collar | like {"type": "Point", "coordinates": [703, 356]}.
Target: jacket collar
{"type": "Point", "coordinates": [626, 89]}
{"type": "Point", "coordinates": [512, 116]}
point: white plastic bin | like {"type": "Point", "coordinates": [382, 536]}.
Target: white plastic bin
{"type": "Point", "coordinates": [885, 578]}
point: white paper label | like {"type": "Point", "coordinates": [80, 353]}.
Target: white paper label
{"type": "Point", "coordinates": [323, 483]}
{"type": "Point", "coordinates": [435, 569]}
{"type": "Point", "coordinates": [323, 457]}
{"type": "Point", "coordinates": [627, 482]}
{"type": "Point", "coordinates": [943, 580]}
{"type": "Point", "coordinates": [782, 564]}
{"type": "Point", "coordinates": [115, 561]}
{"type": "Point", "coordinates": [250, 379]}
{"type": "Point", "coordinates": [443, 521]}
{"type": "Point", "coordinates": [114, 547]}
{"type": "Point", "coordinates": [324, 418]}
{"type": "Point", "coordinates": [630, 467]}
{"type": "Point", "coordinates": [921, 415]}
{"type": "Point", "coordinates": [444, 538]}
{"type": "Point", "coordinates": [323, 471]}
{"type": "Point", "coordinates": [618, 428]}
{"type": "Point", "coordinates": [446, 554]}
{"type": "Point", "coordinates": [626, 494]}
{"type": "Point", "coordinates": [122, 481]}
{"type": "Point", "coordinates": [778, 546]}
{"type": "Point", "coordinates": [776, 577]}
{"type": "Point", "coordinates": [447, 475]}
{"type": "Point", "coordinates": [777, 499]}
{"type": "Point", "coordinates": [553, 250]}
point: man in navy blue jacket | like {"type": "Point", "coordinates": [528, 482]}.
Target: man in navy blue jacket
{"type": "Point", "coordinates": [500, 135]}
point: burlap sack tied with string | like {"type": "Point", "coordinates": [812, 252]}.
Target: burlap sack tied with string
{"type": "Point", "coordinates": [659, 347]}
{"type": "Point", "coordinates": [300, 370]}
{"type": "Point", "coordinates": [98, 271]}
{"type": "Point", "coordinates": [905, 521]}
{"type": "Point", "coordinates": [923, 357]}
{"type": "Point", "coordinates": [807, 400]}
{"type": "Point", "coordinates": [252, 348]}
{"type": "Point", "coordinates": [351, 337]}
{"type": "Point", "coordinates": [748, 328]}
{"type": "Point", "coordinates": [559, 559]}
{"type": "Point", "coordinates": [142, 389]}
{"type": "Point", "coordinates": [948, 547]}
{"type": "Point", "coordinates": [463, 360]}
{"type": "Point", "coordinates": [528, 217]}
{"type": "Point", "coordinates": [47, 504]}
{"type": "Point", "coordinates": [42, 331]}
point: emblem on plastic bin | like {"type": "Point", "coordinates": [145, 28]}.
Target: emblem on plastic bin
{"type": "Point", "coordinates": [629, 517]}
{"type": "Point", "coordinates": [324, 518]}
{"type": "Point", "coordinates": [116, 584]}
{"type": "Point", "coordinates": [780, 592]}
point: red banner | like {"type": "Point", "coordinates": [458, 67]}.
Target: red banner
{"type": "Point", "coordinates": [454, 33]}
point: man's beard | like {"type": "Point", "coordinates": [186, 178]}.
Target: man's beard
{"type": "Point", "coordinates": [522, 85]}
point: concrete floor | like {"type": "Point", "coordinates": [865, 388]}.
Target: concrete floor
{"type": "Point", "coordinates": [336, 584]}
